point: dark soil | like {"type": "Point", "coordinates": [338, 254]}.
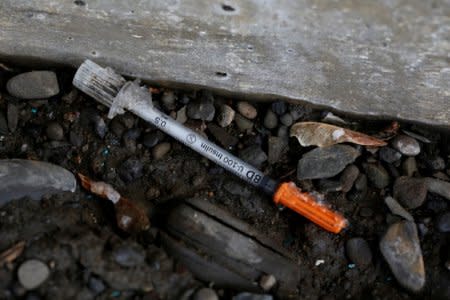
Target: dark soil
{"type": "Point", "coordinates": [76, 233]}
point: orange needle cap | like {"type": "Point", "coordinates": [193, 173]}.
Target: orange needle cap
{"type": "Point", "coordinates": [289, 195]}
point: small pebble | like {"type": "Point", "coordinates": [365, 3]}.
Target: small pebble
{"type": "Point", "coordinates": [358, 251]}
{"type": "Point", "coordinates": [277, 147]}
{"type": "Point", "coordinates": [13, 116]}
{"type": "Point", "coordinates": [397, 209]}
{"type": "Point", "coordinates": [406, 145]}
{"type": "Point", "coordinates": [201, 110]}
{"type": "Point", "coordinates": [32, 273]}
{"type": "Point", "coordinates": [55, 131]}
{"type": "Point", "coordinates": [435, 163]}
{"type": "Point", "coordinates": [410, 192]}
{"type": "Point", "coordinates": [225, 116]}
{"type": "Point", "coordinates": [117, 127]}
{"type": "Point", "coordinates": [279, 107]}
{"type": "Point", "coordinates": [348, 177]}
{"type": "Point", "coordinates": [247, 110]}
{"type": "Point", "coordinates": [227, 140]}
{"type": "Point", "coordinates": [129, 255]}
{"type": "Point", "coordinates": [96, 285]}
{"type": "Point", "coordinates": [168, 100]}
{"type": "Point", "coordinates": [181, 115]}
{"type": "Point", "coordinates": [409, 167]}
{"type": "Point", "coordinates": [286, 119]}
{"type": "Point", "coordinates": [270, 120]}
{"type": "Point", "coordinates": [267, 282]}
{"type": "Point", "coordinates": [254, 155]}
{"type": "Point", "coordinates": [389, 155]}
{"type": "Point", "coordinates": [244, 124]}
{"type": "Point", "coordinates": [130, 170]}
{"type": "Point", "coordinates": [151, 139]}
{"type": "Point", "coordinates": [33, 85]}
{"type": "Point", "coordinates": [100, 126]}
{"type": "Point", "coordinates": [205, 294]}
{"type": "Point", "coordinates": [377, 175]}
{"type": "Point", "coordinates": [283, 132]}
{"type": "Point", "coordinates": [160, 150]}
{"type": "Point", "coordinates": [443, 222]}
{"type": "Point", "coordinates": [250, 296]}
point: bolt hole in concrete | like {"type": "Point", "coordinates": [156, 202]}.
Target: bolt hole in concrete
{"type": "Point", "coordinates": [221, 75]}
{"type": "Point", "coordinates": [79, 2]}
{"type": "Point", "coordinates": [227, 7]}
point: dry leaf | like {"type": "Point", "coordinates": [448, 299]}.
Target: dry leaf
{"type": "Point", "coordinates": [9, 255]}
{"type": "Point", "coordinates": [322, 135]}
{"type": "Point", "coordinates": [129, 216]}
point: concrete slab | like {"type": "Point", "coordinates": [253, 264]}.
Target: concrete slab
{"type": "Point", "coordinates": [382, 59]}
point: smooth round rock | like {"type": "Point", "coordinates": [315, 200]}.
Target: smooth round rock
{"type": "Point", "coordinates": [377, 175]}
{"type": "Point", "coordinates": [205, 294]}
{"type": "Point", "coordinates": [160, 150]}
{"type": "Point", "coordinates": [247, 110]}
{"type": "Point", "coordinates": [443, 222]}
{"type": "Point", "coordinates": [279, 107]}
{"type": "Point", "coordinates": [358, 251]}
{"type": "Point", "coordinates": [389, 155]}
{"type": "Point", "coordinates": [168, 100]}
{"type": "Point", "coordinates": [32, 273]}
{"type": "Point", "coordinates": [243, 123]}
{"type": "Point", "coordinates": [55, 131]}
{"type": "Point", "coordinates": [406, 145]}
{"type": "Point", "coordinates": [270, 120]}
{"type": "Point", "coordinates": [410, 192]}
{"type": "Point", "coordinates": [33, 85]}
{"type": "Point", "coordinates": [286, 119]}
{"type": "Point", "coordinates": [267, 282]}
{"type": "Point", "coordinates": [225, 116]}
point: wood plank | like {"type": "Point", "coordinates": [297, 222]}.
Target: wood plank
{"type": "Point", "coordinates": [379, 59]}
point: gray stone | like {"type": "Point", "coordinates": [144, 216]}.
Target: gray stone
{"type": "Point", "coordinates": [201, 110]}
{"type": "Point", "coordinates": [33, 179]}
{"type": "Point", "coordinates": [270, 120]}
{"type": "Point", "coordinates": [130, 170]}
{"type": "Point", "coordinates": [254, 155]}
{"type": "Point", "coordinates": [168, 100]}
{"type": "Point", "coordinates": [244, 124]}
{"type": "Point", "coordinates": [443, 222]}
{"type": "Point", "coordinates": [247, 110]}
{"type": "Point", "coordinates": [96, 285]}
{"type": "Point", "coordinates": [225, 116]}
{"type": "Point", "coordinates": [181, 115]}
{"type": "Point", "coordinates": [325, 162]}
{"type": "Point", "coordinates": [250, 296]}
{"type": "Point", "coordinates": [267, 282]}
{"type": "Point", "coordinates": [400, 247]}
{"type": "Point", "coordinates": [358, 251]}
{"type": "Point", "coordinates": [32, 273]}
{"type": "Point", "coordinates": [283, 132]}
{"type": "Point", "coordinates": [151, 139]}
{"type": "Point", "coordinates": [222, 136]}
{"type": "Point", "coordinates": [55, 131]}
{"type": "Point", "coordinates": [410, 192]}
{"type": "Point", "coordinates": [435, 163]}
{"type": "Point", "coordinates": [205, 294]}
{"type": "Point", "coordinates": [409, 166]}
{"type": "Point", "coordinates": [277, 147]}
{"type": "Point", "coordinates": [440, 187]}
{"type": "Point", "coordinates": [397, 209]}
{"type": "Point", "coordinates": [160, 150]}
{"type": "Point", "coordinates": [279, 107]}
{"type": "Point", "coordinates": [406, 145]}
{"type": "Point", "coordinates": [12, 116]}
{"type": "Point", "coordinates": [377, 175]}
{"type": "Point", "coordinates": [348, 178]}
{"type": "Point", "coordinates": [33, 85]}
{"type": "Point", "coordinates": [286, 119]}
{"type": "Point", "coordinates": [389, 155]}
{"type": "Point", "coordinates": [129, 255]}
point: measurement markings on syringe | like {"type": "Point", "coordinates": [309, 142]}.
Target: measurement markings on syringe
{"type": "Point", "coordinates": [231, 163]}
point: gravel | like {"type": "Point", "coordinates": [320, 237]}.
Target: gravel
{"type": "Point", "coordinates": [406, 145]}
{"type": "Point", "coordinates": [377, 175]}
{"type": "Point", "coordinates": [267, 282]}
{"type": "Point", "coordinates": [244, 124]}
{"type": "Point", "coordinates": [443, 222]}
{"type": "Point", "coordinates": [254, 155]}
{"type": "Point", "coordinates": [205, 294]}
{"type": "Point", "coordinates": [160, 150]}
{"type": "Point", "coordinates": [225, 116]}
{"type": "Point", "coordinates": [410, 192]}
{"type": "Point", "coordinates": [270, 120]}
{"type": "Point", "coordinates": [247, 110]}
{"type": "Point", "coordinates": [397, 209]}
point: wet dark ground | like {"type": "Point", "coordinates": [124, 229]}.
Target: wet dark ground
{"type": "Point", "coordinates": [76, 235]}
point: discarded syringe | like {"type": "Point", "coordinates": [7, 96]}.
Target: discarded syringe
{"type": "Point", "coordinates": [112, 90]}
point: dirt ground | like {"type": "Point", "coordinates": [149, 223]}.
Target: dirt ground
{"type": "Point", "coordinates": [76, 234]}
